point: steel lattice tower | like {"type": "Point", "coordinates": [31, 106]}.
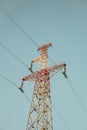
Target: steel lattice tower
{"type": "Point", "coordinates": [40, 115]}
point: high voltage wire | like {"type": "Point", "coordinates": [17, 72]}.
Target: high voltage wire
{"type": "Point", "coordinates": [64, 122]}
{"type": "Point", "coordinates": [22, 29]}
{"type": "Point", "coordinates": [11, 82]}
{"type": "Point", "coordinates": [36, 44]}
{"type": "Point", "coordinates": [82, 105]}
{"type": "Point", "coordinates": [12, 54]}
{"type": "Point", "coordinates": [14, 84]}
{"type": "Point", "coordinates": [77, 96]}
{"type": "Point", "coordinates": [70, 84]}
{"type": "Point", "coordinates": [18, 25]}
{"type": "Point", "coordinates": [28, 100]}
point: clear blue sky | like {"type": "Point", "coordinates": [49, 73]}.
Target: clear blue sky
{"type": "Point", "coordinates": [62, 22]}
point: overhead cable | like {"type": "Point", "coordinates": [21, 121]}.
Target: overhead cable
{"type": "Point", "coordinates": [11, 82]}
{"type": "Point", "coordinates": [21, 28]}
{"type": "Point", "coordinates": [14, 84]}
{"type": "Point", "coordinates": [18, 25]}
{"type": "Point", "coordinates": [77, 96]}
{"type": "Point", "coordinates": [12, 54]}
{"type": "Point", "coordinates": [64, 122]}
{"type": "Point", "coordinates": [35, 43]}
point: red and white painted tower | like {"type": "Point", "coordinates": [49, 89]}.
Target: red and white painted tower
{"type": "Point", "coordinates": [40, 115]}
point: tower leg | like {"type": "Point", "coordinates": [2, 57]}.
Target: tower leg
{"type": "Point", "coordinates": [40, 115]}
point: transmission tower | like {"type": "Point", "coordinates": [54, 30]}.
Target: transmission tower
{"type": "Point", "coordinates": [40, 114]}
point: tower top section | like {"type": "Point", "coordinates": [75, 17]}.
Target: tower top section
{"type": "Point", "coordinates": [44, 47]}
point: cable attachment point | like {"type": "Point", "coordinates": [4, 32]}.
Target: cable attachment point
{"type": "Point", "coordinates": [21, 87]}
{"type": "Point", "coordinates": [30, 68]}
{"type": "Point", "coordinates": [64, 73]}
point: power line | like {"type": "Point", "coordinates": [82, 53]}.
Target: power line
{"type": "Point", "coordinates": [52, 60]}
{"type": "Point", "coordinates": [35, 43]}
{"type": "Point", "coordinates": [77, 96]}
{"type": "Point", "coordinates": [18, 26]}
{"type": "Point", "coordinates": [22, 29]}
{"type": "Point", "coordinates": [11, 82]}
{"type": "Point", "coordinates": [28, 100]}
{"type": "Point", "coordinates": [64, 122]}
{"type": "Point", "coordinates": [12, 54]}
{"type": "Point", "coordinates": [26, 97]}
{"type": "Point", "coordinates": [15, 85]}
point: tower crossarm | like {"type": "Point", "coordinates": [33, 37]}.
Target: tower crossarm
{"type": "Point", "coordinates": [40, 115]}
{"type": "Point", "coordinates": [29, 77]}
{"type": "Point", "coordinates": [51, 70]}
{"type": "Point", "coordinates": [57, 68]}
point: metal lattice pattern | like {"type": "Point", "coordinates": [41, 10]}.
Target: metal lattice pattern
{"type": "Point", "coordinates": [40, 115]}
